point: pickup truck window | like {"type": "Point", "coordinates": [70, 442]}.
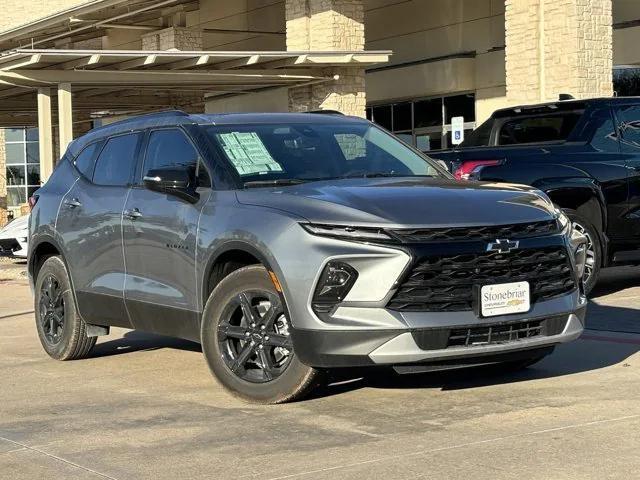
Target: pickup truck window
{"type": "Point", "coordinates": [604, 137]}
{"type": "Point", "coordinates": [481, 136]}
{"type": "Point", "coordinates": [542, 128]}
{"type": "Point", "coordinates": [629, 122]}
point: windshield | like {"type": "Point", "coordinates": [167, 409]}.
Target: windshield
{"type": "Point", "coordinates": [308, 152]}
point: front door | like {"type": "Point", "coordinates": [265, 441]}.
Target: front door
{"type": "Point", "coordinates": [90, 223]}
{"type": "Point", "coordinates": [159, 232]}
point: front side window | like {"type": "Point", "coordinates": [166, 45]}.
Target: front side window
{"type": "Point", "coordinates": [172, 149]}
{"type": "Point", "coordinates": [546, 128]}
{"type": "Point", "coordinates": [116, 161]}
{"type": "Point", "coordinates": [310, 152]}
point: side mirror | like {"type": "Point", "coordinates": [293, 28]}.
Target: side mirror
{"type": "Point", "coordinates": [172, 181]}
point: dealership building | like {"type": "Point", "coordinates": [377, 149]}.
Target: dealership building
{"type": "Point", "coordinates": [409, 65]}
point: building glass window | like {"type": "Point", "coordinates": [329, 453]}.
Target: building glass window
{"type": "Point", "coordinates": [425, 123]}
{"type": "Point", "coordinates": [22, 164]}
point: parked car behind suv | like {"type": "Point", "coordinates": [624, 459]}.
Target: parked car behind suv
{"type": "Point", "coordinates": [584, 154]}
{"type": "Point", "coordinates": [290, 244]}
{"type": "Point", "coordinates": [14, 237]}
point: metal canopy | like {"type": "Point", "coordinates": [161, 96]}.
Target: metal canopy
{"type": "Point", "coordinates": [92, 19]}
{"type": "Point", "coordinates": [123, 81]}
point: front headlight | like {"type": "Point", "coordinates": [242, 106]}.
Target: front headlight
{"type": "Point", "coordinates": [348, 233]}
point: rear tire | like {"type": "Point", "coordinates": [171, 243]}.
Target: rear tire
{"type": "Point", "coordinates": [62, 333]}
{"type": "Point", "coordinates": [254, 363]}
{"type": "Point", "coordinates": [594, 248]}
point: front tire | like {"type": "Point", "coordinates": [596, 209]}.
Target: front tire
{"type": "Point", "coordinates": [62, 333]}
{"type": "Point", "coordinates": [246, 342]}
{"type": "Point", "coordinates": [594, 249]}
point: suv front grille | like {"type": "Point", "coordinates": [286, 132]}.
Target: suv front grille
{"type": "Point", "coordinates": [489, 334]}
{"type": "Point", "coordinates": [445, 283]}
{"type": "Point", "coordinates": [489, 233]}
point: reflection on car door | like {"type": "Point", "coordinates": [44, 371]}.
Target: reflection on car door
{"type": "Point", "coordinates": [159, 232]}
{"type": "Point", "coordinates": [628, 118]}
{"type": "Point", "coordinates": [90, 221]}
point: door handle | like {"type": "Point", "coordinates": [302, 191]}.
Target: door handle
{"type": "Point", "coordinates": [132, 214]}
{"type": "Point", "coordinates": [73, 203]}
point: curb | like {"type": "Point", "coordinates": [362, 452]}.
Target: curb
{"type": "Point", "coordinates": [15, 314]}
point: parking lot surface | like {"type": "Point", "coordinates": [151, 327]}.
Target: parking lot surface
{"type": "Point", "coordinates": [146, 407]}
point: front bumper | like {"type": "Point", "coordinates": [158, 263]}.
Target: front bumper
{"type": "Point", "coordinates": [364, 330]}
{"type": "Point", "coordinates": [349, 348]}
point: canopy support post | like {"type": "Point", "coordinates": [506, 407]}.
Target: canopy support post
{"type": "Point", "coordinates": [45, 137]}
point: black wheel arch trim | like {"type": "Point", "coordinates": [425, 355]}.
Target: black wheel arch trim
{"type": "Point", "coordinates": [228, 246]}
{"type": "Point", "coordinates": [584, 196]}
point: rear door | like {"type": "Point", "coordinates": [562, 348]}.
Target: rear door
{"type": "Point", "coordinates": [160, 241]}
{"type": "Point", "coordinates": [90, 223]}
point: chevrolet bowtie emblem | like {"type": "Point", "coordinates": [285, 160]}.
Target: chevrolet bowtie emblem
{"type": "Point", "coordinates": [502, 246]}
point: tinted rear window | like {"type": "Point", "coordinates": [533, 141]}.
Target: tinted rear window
{"type": "Point", "coordinates": [116, 161]}
{"type": "Point", "coordinates": [545, 128]}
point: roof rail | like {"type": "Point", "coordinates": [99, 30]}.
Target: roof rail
{"type": "Point", "coordinates": [161, 114]}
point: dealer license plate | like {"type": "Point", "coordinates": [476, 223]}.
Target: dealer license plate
{"type": "Point", "coordinates": [504, 299]}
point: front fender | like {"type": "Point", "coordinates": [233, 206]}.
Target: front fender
{"type": "Point", "coordinates": [582, 194]}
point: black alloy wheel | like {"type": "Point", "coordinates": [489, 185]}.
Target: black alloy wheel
{"type": "Point", "coordinates": [51, 308]}
{"type": "Point", "coordinates": [247, 342]}
{"type": "Point", "coordinates": [62, 332]}
{"type": "Point", "coordinates": [253, 336]}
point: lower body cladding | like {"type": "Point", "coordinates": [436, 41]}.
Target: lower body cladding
{"type": "Point", "coordinates": [447, 342]}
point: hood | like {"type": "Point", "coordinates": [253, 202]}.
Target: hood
{"type": "Point", "coordinates": [16, 228]}
{"type": "Point", "coordinates": [405, 202]}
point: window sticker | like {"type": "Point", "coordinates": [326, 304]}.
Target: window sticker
{"type": "Point", "coordinates": [247, 153]}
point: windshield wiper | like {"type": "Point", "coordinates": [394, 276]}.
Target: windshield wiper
{"type": "Point", "coordinates": [272, 183]}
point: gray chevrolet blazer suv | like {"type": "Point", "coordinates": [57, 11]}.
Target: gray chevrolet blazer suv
{"type": "Point", "coordinates": [289, 245]}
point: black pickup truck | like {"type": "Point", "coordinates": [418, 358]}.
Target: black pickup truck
{"type": "Point", "coordinates": [584, 154]}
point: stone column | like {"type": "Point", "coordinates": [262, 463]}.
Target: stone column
{"type": "Point", "coordinates": [558, 46]}
{"type": "Point", "coordinates": [3, 181]}
{"type": "Point", "coordinates": [176, 39]}
{"type": "Point", "coordinates": [173, 38]}
{"type": "Point", "coordinates": [326, 25]}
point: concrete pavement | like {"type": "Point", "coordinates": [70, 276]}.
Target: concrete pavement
{"type": "Point", "coordinates": [146, 406]}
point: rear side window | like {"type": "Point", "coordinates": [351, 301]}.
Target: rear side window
{"type": "Point", "coordinates": [85, 161]}
{"type": "Point", "coordinates": [171, 148]}
{"type": "Point", "coordinates": [547, 128]}
{"type": "Point", "coordinates": [116, 161]}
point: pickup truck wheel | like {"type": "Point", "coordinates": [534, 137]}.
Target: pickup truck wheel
{"type": "Point", "coordinates": [63, 334]}
{"type": "Point", "coordinates": [246, 341]}
{"type": "Point", "coordinates": [594, 249]}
